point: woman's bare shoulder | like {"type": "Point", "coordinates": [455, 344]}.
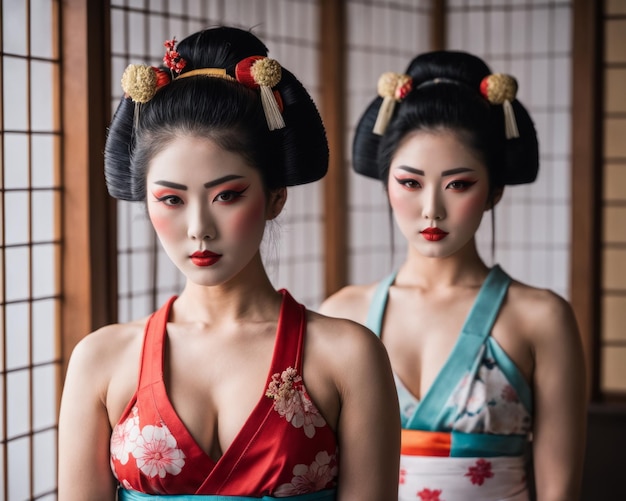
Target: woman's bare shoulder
{"type": "Point", "coordinates": [338, 326]}
{"type": "Point", "coordinates": [351, 302]}
{"type": "Point", "coordinates": [335, 340]}
{"type": "Point", "coordinates": [104, 350]}
{"type": "Point", "coordinates": [112, 336]}
{"type": "Point", "coordinates": [540, 312]}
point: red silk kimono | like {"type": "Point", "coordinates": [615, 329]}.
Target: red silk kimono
{"type": "Point", "coordinates": [284, 449]}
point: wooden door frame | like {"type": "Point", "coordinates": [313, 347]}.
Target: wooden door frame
{"type": "Point", "coordinates": [87, 216]}
{"type": "Point", "coordinates": [333, 28]}
{"type": "Point", "coordinates": [586, 186]}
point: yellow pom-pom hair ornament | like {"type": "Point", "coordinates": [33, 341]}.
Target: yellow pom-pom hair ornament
{"type": "Point", "coordinates": [393, 88]}
{"type": "Point", "coordinates": [140, 82]}
{"type": "Point", "coordinates": [502, 89]}
{"type": "Point", "coordinates": [264, 73]}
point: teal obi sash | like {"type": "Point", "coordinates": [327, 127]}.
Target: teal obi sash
{"type": "Point", "coordinates": [126, 495]}
{"type": "Point", "coordinates": [476, 445]}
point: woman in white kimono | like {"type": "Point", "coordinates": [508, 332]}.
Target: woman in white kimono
{"type": "Point", "coordinates": [486, 367]}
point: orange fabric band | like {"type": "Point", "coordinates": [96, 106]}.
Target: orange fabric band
{"type": "Point", "coordinates": [426, 443]}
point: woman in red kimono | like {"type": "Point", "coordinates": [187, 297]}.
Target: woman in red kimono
{"type": "Point", "coordinates": [231, 390]}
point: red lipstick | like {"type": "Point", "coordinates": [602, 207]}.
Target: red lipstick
{"type": "Point", "coordinates": [434, 234]}
{"type": "Point", "coordinates": [205, 258]}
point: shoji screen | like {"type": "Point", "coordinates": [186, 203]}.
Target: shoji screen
{"type": "Point", "coordinates": [292, 250]}
{"type": "Point", "coordinates": [29, 248]}
{"type": "Point", "coordinates": [382, 36]}
{"type": "Point", "coordinates": [532, 41]}
{"type": "Point", "coordinates": [293, 247]}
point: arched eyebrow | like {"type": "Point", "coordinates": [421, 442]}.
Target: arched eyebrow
{"type": "Point", "coordinates": [169, 184]}
{"type": "Point", "coordinates": [445, 173]}
{"type": "Point", "coordinates": [209, 184]}
{"type": "Point", "coordinates": [411, 170]}
{"type": "Point", "coordinates": [222, 180]}
{"type": "Point", "coordinates": [459, 170]}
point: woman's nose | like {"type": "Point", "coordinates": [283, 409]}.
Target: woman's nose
{"type": "Point", "coordinates": [433, 208]}
{"type": "Point", "coordinates": [201, 224]}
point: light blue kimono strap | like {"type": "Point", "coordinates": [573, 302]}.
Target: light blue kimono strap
{"type": "Point", "coordinates": [376, 312]}
{"type": "Point", "coordinates": [128, 495]}
{"type": "Point", "coordinates": [464, 355]}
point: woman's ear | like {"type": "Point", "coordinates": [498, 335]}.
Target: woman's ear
{"type": "Point", "coordinates": [275, 203]}
{"type": "Point", "coordinates": [496, 196]}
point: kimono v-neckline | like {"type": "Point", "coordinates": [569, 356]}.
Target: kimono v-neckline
{"type": "Point", "coordinates": [291, 317]}
{"type": "Point", "coordinates": [477, 326]}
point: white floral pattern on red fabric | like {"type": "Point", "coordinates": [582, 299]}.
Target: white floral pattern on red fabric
{"type": "Point", "coordinates": [124, 437]}
{"type": "Point", "coordinates": [292, 402]}
{"type": "Point", "coordinates": [126, 485]}
{"type": "Point", "coordinates": [154, 448]}
{"type": "Point", "coordinates": [157, 453]}
{"type": "Point", "coordinates": [313, 478]}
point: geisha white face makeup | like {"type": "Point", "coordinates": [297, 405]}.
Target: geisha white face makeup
{"type": "Point", "coordinates": [438, 190]}
{"type": "Point", "coordinates": [208, 207]}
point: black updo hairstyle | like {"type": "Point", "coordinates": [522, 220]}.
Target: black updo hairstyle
{"type": "Point", "coordinates": [445, 95]}
{"type": "Point", "coordinates": [223, 110]}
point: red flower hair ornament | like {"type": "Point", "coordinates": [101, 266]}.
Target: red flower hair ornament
{"type": "Point", "coordinates": [172, 58]}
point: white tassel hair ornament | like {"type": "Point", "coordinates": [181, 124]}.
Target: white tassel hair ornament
{"type": "Point", "coordinates": [499, 88]}
{"type": "Point", "coordinates": [393, 88]}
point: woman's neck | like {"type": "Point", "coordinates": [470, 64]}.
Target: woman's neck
{"type": "Point", "coordinates": [464, 268]}
{"type": "Point", "coordinates": [250, 296]}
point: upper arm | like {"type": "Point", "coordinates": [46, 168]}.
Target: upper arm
{"type": "Point", "coordinates": [369, 421]}
{"type": "Point", "coordinates": [560, 402]}
{"type": "Point", "coordinates": [84, 430]}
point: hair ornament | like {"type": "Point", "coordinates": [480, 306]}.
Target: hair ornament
{"type": "Point", "coordinates": [140, 82]}
{"type": "Point", "coordinates": [172, 58]}
{"type": "Point", "coordinates": [207, 72]}
{"type": "Point", "coordinates": [439, 80]}
{"type": "Point", "coordinates": [499, 88]}
{"type": "Point", "coordinates": [393, 88]}
{"type": "Point", "coordinates": [263, 73]}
